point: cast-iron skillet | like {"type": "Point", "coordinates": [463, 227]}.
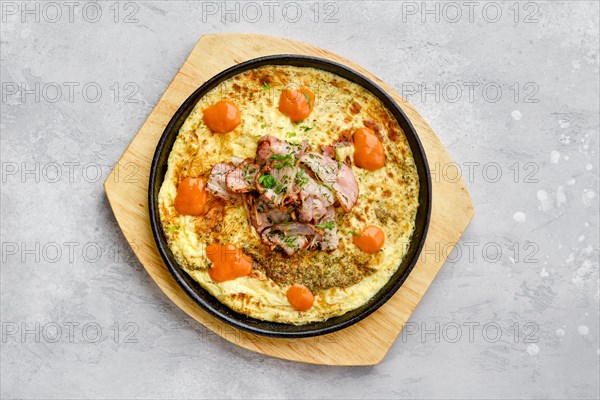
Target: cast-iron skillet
{"type": "Point", "coordinates": [273, 329]}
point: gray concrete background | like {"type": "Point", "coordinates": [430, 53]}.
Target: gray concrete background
{"type": "Point", "coordinates": [514, 314]}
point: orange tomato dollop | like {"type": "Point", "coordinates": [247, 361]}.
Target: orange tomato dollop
{"type": "Point", "coordinates": [222, 117]}
{"type": "Point", "coordinates": [368, 150]}
{"type": "Point", "coordinates": [228, 262]}
{"type": "Point", "coordinates": [300, 297]}
{"type": "Point", "coordinates": [370, 240]}
{"type": "Point", "coordinates": [297, 104]}
{"type": "Point", "coordinates": [191, 197]}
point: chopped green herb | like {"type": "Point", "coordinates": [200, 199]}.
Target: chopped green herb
{"type": "Point", "coordinates": [308, 100]}
{"type": "Point", "coordinates": [290, 241]}
{"type": "Point", "coordinates": [279, 189]}
{"type": "Point", "coordinates": [354, 233]}
{"type": "Point", "coordinates": [172, 228]}
{"type": "Point", "coordinates": [267, 181]}
{"type": "Point", "coordinates": [291, 134]}
{"type": "Point", "coordinates": [305, 128]}
{"type": "Point", "coordinates": [301, 177]}
{"type": "Point", "coordinates": [265, 86]}
{"type": "Point", "coordinates": [248, 175]}
{"type": "Point", "coordinates": [279, 158]}
{"type": "Point", "coordinates": [262, 126]}
{"type": "Point", "coordinates": [326, 225]}
{"type": "Point", "coordinates": [286, 160]}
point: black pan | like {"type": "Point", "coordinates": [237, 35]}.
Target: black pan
{"type": "Point", "coordinates": [274, 329]}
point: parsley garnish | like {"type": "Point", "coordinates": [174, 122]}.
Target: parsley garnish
{"type": "Point", "coordinates": [305, 128]}
{"type": "Point", "coordinates": [291, 241]}
{"type": "Point", "coordinates": [301, 177]}
{"type": "Point", "coordinates": [286, 160]}
{"type": "Point", "coordinates": [326, 225]}
{"type": "Point", "coordinates": [291, 134]}
{"type": "Point", "coordinates": [265, 86]}
{"type": "Point", "coordinates": [172, 228]}
{"type": "Point", "coordinates": [307, 96]}
{"type": "Point", "coordinates": [248, 174]}
{"type": "Point", "coordinates": [267, 181]}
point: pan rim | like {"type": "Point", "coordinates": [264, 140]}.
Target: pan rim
{"type": "Point", "coordinates": [274, 329]}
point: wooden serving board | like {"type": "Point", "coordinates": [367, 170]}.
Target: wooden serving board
{"type": "Point", "coordinates": [365, 343]}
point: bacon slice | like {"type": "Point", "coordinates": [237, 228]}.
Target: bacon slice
{"type": "Point", "coordinates": [279, 160]}
{"type": "Point", "coordinates": [276, 184]}
{"type": "Point", "coordinates": [270, 147]}
{"type": "Point", "coordinates": [289, 237]}
{"type": "Point", "coordinates": [217, 182]}
{"type": "Point", "coordinates": [346, 187]}
{"type": "Point", "coordinates": [328, 151]}
{"type": "Point", "coordinates": [324, 167]}
{"type": "Point", "coordinates": [314, 198]}
{"type": "Point", "coordinates": [262, 214]}
{"type": "Point", "coordinates": [335, 175]}
{"type": "Point", "coordinates": [242, 178]}
{"type": "Point", "coordinates": [326, 232]}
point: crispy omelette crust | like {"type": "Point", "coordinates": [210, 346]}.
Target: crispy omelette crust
{"type": "Point", "coordinates": [341, 280]}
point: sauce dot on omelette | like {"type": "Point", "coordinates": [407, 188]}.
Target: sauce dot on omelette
{"type": "Point", "coordinates": [222, 117]}
{"type": "Point", "coordinates": [370, 240]}
{"type": "Point", "coordinates": [297, 104]}
{"type": "Point", "coordinates": [191, 197]}
{"type": "Point", "coordinates": [368, 150]}
{"type": "Point", "coordinates": [300, 297]}
{"type": "Point", "coordinates": [228, 262]}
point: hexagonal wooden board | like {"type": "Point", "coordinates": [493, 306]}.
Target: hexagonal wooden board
{"type": "Point", "coordinates": [365, 343]}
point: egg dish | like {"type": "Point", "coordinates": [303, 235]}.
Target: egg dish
{"type": "Point", "coordinates": [290, 194]}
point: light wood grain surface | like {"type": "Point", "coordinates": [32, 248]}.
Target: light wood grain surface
{"type": "Point", "coordinates": [365, 343]}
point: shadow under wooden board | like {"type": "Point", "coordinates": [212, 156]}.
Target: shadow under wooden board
{"type": "Point", "coordinates": [364, 343]}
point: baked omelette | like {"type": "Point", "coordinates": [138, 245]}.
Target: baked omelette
{"type": "Point", "coordinates": [290, 195]}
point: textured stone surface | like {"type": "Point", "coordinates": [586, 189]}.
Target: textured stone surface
{"type": "Point", "coordinates": [529, 259]}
